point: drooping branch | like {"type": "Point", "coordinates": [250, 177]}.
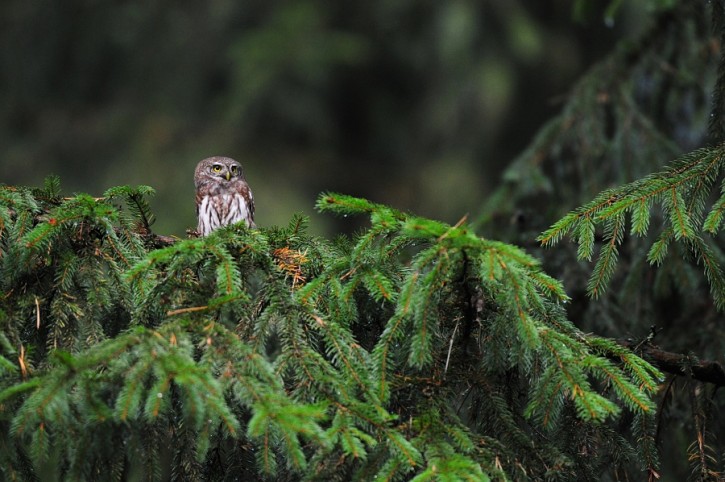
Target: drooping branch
{"type": "Point", "coordinates": [707, 371]}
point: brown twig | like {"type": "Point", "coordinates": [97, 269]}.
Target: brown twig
{"type": "Point", "coordinates": [160, 241]}
{"type": "Point", "coordinates": [186, 310]}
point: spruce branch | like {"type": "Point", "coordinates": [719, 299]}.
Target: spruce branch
{"type": "Point", "coordinates": [681, 191]}
{"type": "Point", "coordinates": [325, 355]}
{"type": "Point", "coordinates": [138, 205]}
{"type": "Point", "coordinates": [707, 371]}
{"type": "Point", "coordinates": [520, 274]}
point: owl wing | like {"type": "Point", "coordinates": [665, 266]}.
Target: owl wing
{"type": "Point", "coordinates": [251, 205]}
{"type": "Point", "coordinates": [198, 201]}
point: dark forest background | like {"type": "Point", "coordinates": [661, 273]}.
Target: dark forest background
{"type": "Point", "coordinates": [419, 104]}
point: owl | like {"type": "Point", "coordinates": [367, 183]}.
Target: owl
{"type": "Point", "coordinates": [222, 194]}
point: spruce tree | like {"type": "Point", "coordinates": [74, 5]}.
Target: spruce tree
{"type": "Point", "coordinates": [414, 350]}
{"type": "Point", "coordinates": [650, 104]}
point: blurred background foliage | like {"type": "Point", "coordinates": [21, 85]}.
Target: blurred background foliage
{"type": "Point", "coordinates": [417, 103]}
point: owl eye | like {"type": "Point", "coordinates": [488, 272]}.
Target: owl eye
{"type": "Point", "coordinates": [216, 168]}
{"type": "Point", "coordinates": [234, 169]}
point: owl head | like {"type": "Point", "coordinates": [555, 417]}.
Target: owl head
{"type": "Point", "coordinates": [218, 169]}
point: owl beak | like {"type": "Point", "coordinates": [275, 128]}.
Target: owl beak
{"type": "Point", "coordinates": [228, 175]}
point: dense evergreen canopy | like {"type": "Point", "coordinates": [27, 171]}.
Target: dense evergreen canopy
{"type": "Point", "coordinates": [413, 349]}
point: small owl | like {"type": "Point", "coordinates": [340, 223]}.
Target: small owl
{"type": "Point", "coordinates": [222, 194]}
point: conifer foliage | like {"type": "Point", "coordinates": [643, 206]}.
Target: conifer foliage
{"type": "Point", "coordinates": [654, 98]}
{"type": "Point", "coordinates": [682, 192]}
{"type": "Point", "coordinates": [415, 350]}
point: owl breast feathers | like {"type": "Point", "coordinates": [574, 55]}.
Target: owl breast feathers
{"type": "Point", "coordinates": [222, 194]}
